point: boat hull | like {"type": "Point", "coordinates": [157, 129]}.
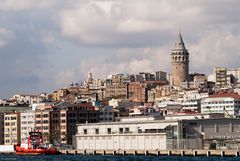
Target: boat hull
{"type": "Point", "coordinates": [21, 151]}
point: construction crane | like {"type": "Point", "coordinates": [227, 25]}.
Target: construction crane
{"type": "Point", "coordinates": [226, 112]}
{"type": "Point", "coordinates": [209, 109]}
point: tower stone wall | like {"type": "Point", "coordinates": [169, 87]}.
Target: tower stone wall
{"type": "Point", "coordinates": [180, 62]}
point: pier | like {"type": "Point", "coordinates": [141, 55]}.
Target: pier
{"type": "Point", "coordinates": [185, 152]}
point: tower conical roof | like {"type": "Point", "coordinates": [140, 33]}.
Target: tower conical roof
{"type": "Point", "coordinates": [179, 43]}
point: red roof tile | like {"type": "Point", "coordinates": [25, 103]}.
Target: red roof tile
{"type": "Point", "coordinates": [232, 95]}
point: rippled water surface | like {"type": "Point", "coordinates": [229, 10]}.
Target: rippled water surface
{"type": "Point", "coordinates": [110, 158]}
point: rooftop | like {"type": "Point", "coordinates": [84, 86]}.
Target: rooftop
{"type": "Point", "coordinates": [226, 94]}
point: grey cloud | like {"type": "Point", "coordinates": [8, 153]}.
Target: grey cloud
{"type": "Point", "coordinates": [67, 39]}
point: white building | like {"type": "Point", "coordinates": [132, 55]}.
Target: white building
{"type": "Point", "coordinates": [27, 124]}
{"type": "Point", "coordinates": [27, 98]}
{"type": "Point", "coordinates": [191, 105]}
{"type": "Point", "coordinates": [169, 107]}
{"type": "Point", "coordinates": [194, 95]}
{"type": "Point", "coordinates": [122, 104]}
{"type": "Point", "coordinates": [227, 103]}
{"type": "Point", "coordinates": [137, 135]}
{"type": "Point", "coordinates": [193, 116]}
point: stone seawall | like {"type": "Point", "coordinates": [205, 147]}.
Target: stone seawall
{"type": "Point", "coordinates": [222, 153]}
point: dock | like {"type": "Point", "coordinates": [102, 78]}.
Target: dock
{"type": "Point", "coordinates": [175, 152]}
{"type": "Point", "coordinates": [185, 152]}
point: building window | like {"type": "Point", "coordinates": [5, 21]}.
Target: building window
{"type": "Point", "coordinates": [45, 121]}
{"type": "Point", "coordinates": [109, 131]}
{"type": "Point", "coordinates": [13, 118]}
{"type": "Point", "coordinates": [38, 122]}
{"type": "Point", "coordinates": [85, 131]}
{"type": "Point", "coordinates": [96, 131]}
{"type": "Point", "coordinates": [127, 130]}
{"type": "Point", "coordinates": [120, 130]}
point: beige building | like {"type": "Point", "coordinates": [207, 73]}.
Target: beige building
{"type": "Point", "coordinates": [117, 91]}
{"type": "Point", "coordinates": [59, 94]}
{"type": "Point", "coordinates": [180, 62]}
{"type": "Point", "coordinates": [12, 128]}
{"type": "Point", "coordinates": [220, 77]}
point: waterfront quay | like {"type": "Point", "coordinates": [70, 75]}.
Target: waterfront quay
{"type": "Point", "coordinates": [179, 152]}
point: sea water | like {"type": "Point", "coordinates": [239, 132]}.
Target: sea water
{"type": "Point", "coordinates": [110, 158]}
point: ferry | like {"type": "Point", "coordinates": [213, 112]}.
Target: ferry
{"type": "Point", "coordinates": [35, 145]}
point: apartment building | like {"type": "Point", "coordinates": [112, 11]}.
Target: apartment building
{"type": "Point", "coordinates": [65, 117]}
{"type": "Point", "coordinates": [236, 76]}
{"type": "Point", "coordinates": [12, 128]}
{"type": "Point", "coordinates": [220, 77]}
{"type": "Point", "coordinates": [59, 94]}
{"type": "Point", "coordinates": [42, 122]}
{"type": "Point", "coordinates": [27, 124]}
{"type": "Point", "coordinates": [227, 103]}
{"type": "Point", "coordinates": [138, 92]}
{"type": "Point", "coordinates": [116, 91]}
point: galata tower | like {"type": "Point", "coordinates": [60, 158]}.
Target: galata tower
{"type": "Point", "coordinates": [180, 62]}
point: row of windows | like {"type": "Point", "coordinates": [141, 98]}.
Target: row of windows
{"type": "Point", "coordinates": [8, 123]}
{"type": "Point", "coordinates": [10, 118]}
{"type": "Point", "coordinates": [221, 107]}
{"type": "Point", "coordinates": [109, 130]}
{"type": "Point", "coordinates": [27, 122]}
{"type": "Point", "coordinates": [44, 121]}
{"type": "Point", "coordinates": [223, 102]}
{"type": "Point", "coordinates": [27, 117]}
{"type": "Point", "coordinates": [12, 130]}
{"type": "Point", "coordinates": [8, 141]}
{"type": "Point", "coordinates": [40, 128]}
{"type": "Point", "coordinates": [40, 116]}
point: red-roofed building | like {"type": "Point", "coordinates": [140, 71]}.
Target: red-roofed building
{"type": "Point", "coordinates": [227, 103]}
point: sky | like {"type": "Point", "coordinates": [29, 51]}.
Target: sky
{"type": "Point", "coordinates": [48, 44]}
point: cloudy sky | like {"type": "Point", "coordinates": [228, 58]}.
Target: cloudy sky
{"type": "Point", "coordinates": [47, 44]}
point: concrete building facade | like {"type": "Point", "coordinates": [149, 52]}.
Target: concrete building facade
{"type": "Point", "coordinates": [220, 77]}
{"type": "Point", "coordinates": [12, 128]}
{"type": "Point", "coordinates": [27, 124]}
{"type": "Point", "coordinates": [125, 135]}
{"type": "Point", "coordinates": [180, 62]}
{"type": "Point", "coordinates": [227, 103]}
{"type": "Point", "coordinates": [147, 134]}
{"type": "Point", "coordinates": [138, 92]}
{"type": "Point", "coordinates": [64, 119]}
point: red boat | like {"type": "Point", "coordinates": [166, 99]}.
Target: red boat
{"type": "Point", "coordinates": [35, 145]}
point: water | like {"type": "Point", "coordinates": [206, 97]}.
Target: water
{"type": "Point", "coordinates": [110, 158]}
